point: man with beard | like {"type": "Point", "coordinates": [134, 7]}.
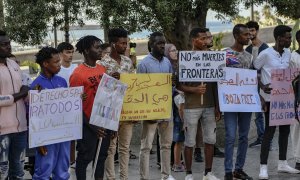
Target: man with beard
{"type": "Point", "coordinates": [255, 48]}
{"type": "Point", "coordinates": [155, 62]}
{"type": "Point", "coordinates": [115, 63]}
{"type": "Point", "coordinates": [13, 125]}
{"type": "Point", "coordinates": [196, 112]}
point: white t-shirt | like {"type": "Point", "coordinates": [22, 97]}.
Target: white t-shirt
{"type": "Point", "coordinates": [66, 72]}
{"type": "Point", "coordinates": [270, 59]}
{"type": "Point", "coordinates": [295, 60]}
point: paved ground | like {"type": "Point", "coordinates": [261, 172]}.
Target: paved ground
{"type": "Point", "coordinates": [251, 166]}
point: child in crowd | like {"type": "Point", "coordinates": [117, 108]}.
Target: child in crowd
{"type": "Point", "coordinates": [50, 160]}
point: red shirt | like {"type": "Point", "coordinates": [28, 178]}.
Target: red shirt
{"type": "Point", "coordinates": [89, 78]}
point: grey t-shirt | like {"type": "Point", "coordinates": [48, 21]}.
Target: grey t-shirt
{"type": "Point", "coordinates": [238, 59]}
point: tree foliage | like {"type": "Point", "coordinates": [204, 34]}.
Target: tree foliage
{"type": "Point", "coordinates": [27, 21]}
{"type": "Point", "coordinates": [175, 18]}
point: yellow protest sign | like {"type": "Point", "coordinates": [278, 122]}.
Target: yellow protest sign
{"type": "Point", "coordinates": [148, 97]}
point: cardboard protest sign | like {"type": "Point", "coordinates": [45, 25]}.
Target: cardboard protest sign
{"type": "Point", "coordinates": [55, 115]}
{"type": "Point", "coordinates": [238, 91]}
{"type": "Point", "coordinates": [108, 103]}
{"type": "Point", "coordinates": [148, 97]}
{"type": "Point", "coordinates": [282, 98]}
{"type": "Point", "coordinates": [195, 66]}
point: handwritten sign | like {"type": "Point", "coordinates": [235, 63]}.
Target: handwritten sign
{"type": "Point", "coordinates": [238, 91]}
{"type": "Point", "coordinates": [201, 65]}
{"type": "Point", "coordinates": [55, 115]}
{"type": "Point", "coordinates": [282, 98]}
{"type": "Point", "coordinates": [108, 103]}
{"type": "Point", "coordinates": [148, 97]}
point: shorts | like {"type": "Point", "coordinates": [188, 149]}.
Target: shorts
{"type": "Point", "coordinates": [208, 124]}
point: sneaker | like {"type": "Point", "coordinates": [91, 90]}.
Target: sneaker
{"type": "Point", "coordinates": [228, 176]}
{"type": "Point", "coordinates": [210, 176]}
{"type": "Point", "coordinates": [283, 167]}
{"type": "Point", "coordinates": [263, 173]}
{"type": "Point", "coordinates": [178, 168]}
{"type": "Point", "coordinates": [170, 177]}
{"type": "Point", "coordinates": [255, 143]}
{"type": "Point", "coordinates": [218, 153]}
{"type": "Point", "coordinates": [189, 177]}
{"type": "Point", "coordinates": [198, 157]}
{"type": "Point", "coordinates": [240, 174]}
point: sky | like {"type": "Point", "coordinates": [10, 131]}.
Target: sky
{"type": "Point", "coordinates": [243, 12]}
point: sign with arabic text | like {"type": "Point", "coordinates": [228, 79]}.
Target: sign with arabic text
{"type": "Point", "coordinates": [238, 91]}
{"type": "Point", "coordinates": [195, 66]}
{"type": "Point", "coordinates": [148, 97]}
{"type": "Point", "coordinates": [282, 98]}
{"type": "Point", "coordinates": [55, 115]}
{"type": "Point", "coordinates": [108, 103]}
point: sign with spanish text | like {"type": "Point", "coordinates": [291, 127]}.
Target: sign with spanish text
{"type": "Point", "coordinates": [238, 91]}
{"type": "Point", "coordinates": [108, 103]}
{"type": "Point", "coordinates": [282, 97]}
{"type": "Point", "coordinates": [195, 66]}
{"type": "Point", "coordinates": [148, 97]}
{"type": "Point", "coordinates": [55, 115]}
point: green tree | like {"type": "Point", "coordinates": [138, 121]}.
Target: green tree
{"type": "Point", "coordinates": [27, 21]}
{"type": "Point", "coordinates": [174, 18]}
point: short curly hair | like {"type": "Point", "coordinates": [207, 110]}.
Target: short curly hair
{"type": "Point", "coordinates": [44, 54]}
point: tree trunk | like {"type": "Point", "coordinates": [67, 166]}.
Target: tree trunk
{"type": "Point", "coordinates": [2, 25]}
{"type": "Point", "coordinates": [67, 21]}
{"type": "Point", "coordinates": [179, 35]}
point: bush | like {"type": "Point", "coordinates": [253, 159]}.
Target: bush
{"type": "Point", "coordinates": [33, 67]}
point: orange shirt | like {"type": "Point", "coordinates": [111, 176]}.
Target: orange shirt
{"type": "Point", "coordinates": [89, 78]}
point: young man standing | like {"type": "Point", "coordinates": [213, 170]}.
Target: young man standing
{"type": "Point", "coordinates": [88, 74]}
{"type": "Point", "coordinates": [240, 120]}
{"type": "Point", "coordinates": [276, 57]}
{"type": "Point", "coordinates": [13, 124]}
{"type": "Point", "coordinates": [66, 51]}
{"type": "Point", "coordinates": [255, 48]}
{"type": "Point", "coordinates": [53, 159]}
{"type": "Point", "coordinates": [116, 63]}
{"type": "Point", "coordinates": [195, 110]}
{"type": "Point", "coordinates": [155, 62]}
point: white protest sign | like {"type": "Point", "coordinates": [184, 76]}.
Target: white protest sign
{"type": "Point", "coordinates": [108, 103]}
{"type": "Point", "coordinates": [55, 115]}
{"type": "Point", "coordinates": [195, 66]}
{"type": "Point", "coordinates": [238, 91]}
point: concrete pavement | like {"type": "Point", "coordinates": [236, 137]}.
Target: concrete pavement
{"type": "Point", "coordinates": [251, 166]}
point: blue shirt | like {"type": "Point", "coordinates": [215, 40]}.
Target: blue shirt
{"type": "Point", "coordinates": [152, 65]}
{"type": "Point", "coordinates": [49, 83]}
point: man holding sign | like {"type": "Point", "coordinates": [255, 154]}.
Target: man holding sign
{"type": "Point", "coordinates": [115, 63]}
{"type": "Point", "coordinates": [53, 159]}
{"type": "Point", "coordinates": [276, 57]}
{"type": "Point", "coordinates": [89, 75]}
{"type": "Point", "coordinates": [155, 62]}
{"type": "Point", "coordinates": [201, 102]}
{"type": "Point", "coordinates": [237, 57]}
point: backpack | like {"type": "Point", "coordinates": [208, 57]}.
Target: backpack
{"type": "Point", "coordinates": [296, 88]}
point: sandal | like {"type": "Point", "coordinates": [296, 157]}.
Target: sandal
{"type": "Point", "coordinates": [132, 156]}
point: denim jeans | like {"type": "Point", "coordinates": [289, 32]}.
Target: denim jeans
{"type": "Point", "coordinates": [260, 128]}
{"type": "Point", "coordinates": [234, 120]}
{"type": "Point", "coordinates": [12, 155]}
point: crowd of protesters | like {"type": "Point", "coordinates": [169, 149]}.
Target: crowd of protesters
{"type": "Point", "coordinates": [195, 108]}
